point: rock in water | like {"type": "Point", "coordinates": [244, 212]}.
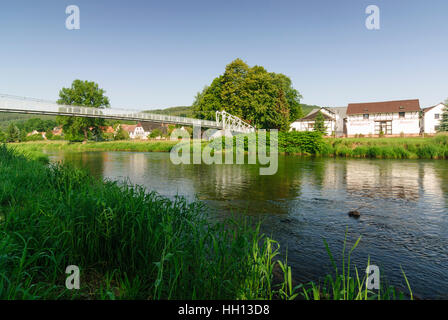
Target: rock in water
{"type": "Point", "coordinates": [354, 214]}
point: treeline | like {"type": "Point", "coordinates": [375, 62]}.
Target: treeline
{"type": "Point", "coordinates": [18, 131]}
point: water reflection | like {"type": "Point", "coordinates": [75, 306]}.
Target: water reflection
{"type": "Point", "coordinates": [404, 220]}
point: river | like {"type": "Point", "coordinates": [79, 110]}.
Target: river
{"type": "Point", "coordinates": [404, 207]}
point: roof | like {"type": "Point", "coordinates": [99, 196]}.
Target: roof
{"type": "Point", "coordinates": [383, 107]}
{"type": "Point", "coordinates": [430, 108]}
{"type": "Point", "coordinates": [313, 114]}
{"type": "Point", "coordinates": [147, 127]}
{"type": "Point", "coordinates": [150, 126]}
{"type": "Point", "coordinates": [107, 129]}
{"type": "Point", "coordinates": [128, 127]}
{"type": "Point", "coordinates": [340, 111]}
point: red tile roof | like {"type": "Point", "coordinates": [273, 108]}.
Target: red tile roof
{"type": "Point", "coordinates": [128, 127]}
{"type": "Point", "coordinates": [384, 107]}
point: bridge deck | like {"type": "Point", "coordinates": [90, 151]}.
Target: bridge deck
{"type": "Point", "coordinates": [16, 104]}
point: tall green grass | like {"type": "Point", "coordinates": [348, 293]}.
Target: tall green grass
{"type": "Point", "coordinates": [347, 283]}
{"type": "Point", "coordinates": [128, 243]}
{"type": "Point", "coordinates": [389, 148]}
{"type": "Point", "coordinates": [137, 146]}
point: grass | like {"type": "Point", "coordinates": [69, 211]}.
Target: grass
{"type": "Point", "coordinates": [344, 285]}
{"type": "Point", "coordinates": [389, 148]}
{"type": "Point", "coordinates": [137, 146]}
{"type": "Point", "coordinates": [128, 243]}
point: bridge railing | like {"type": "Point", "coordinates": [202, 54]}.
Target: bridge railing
{"type": "Point", "coordinates": [10, 103]}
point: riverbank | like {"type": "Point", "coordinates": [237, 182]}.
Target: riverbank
{"type": "Point", "coordinates": [297, 143]}
{"type": "Point", "coordinates": [128, 244]}
{"type": "Point", "coordinates": [435, 147]}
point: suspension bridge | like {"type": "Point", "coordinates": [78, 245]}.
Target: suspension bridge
{"type": "Point", "coordinates": [16, 104]}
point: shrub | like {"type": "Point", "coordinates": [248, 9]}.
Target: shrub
{"type": "Point", "coordinates": [428, 151]}
{"type": "Point", "coordinates": [34, 137]}
{"type": "Point", "coordinates": [310, 142]}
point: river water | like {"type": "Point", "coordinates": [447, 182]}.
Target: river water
{"type": "Point", "coordinates": [404, 207]}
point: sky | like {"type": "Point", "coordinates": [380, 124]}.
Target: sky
{"type": "Point", "coordinates": [156, 54]}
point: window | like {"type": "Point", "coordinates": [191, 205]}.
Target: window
{"type": "Point", "coordinates": [365, 116]}
{"type": "Point", "coordinates": [436, 116]}
{"type": "Point", "coordinates": [401, 114]}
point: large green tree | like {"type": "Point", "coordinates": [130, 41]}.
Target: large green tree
{"type": "Point", "coordinates": [86, 94]}
{"type": "Point", "coordinates": [264, 99]}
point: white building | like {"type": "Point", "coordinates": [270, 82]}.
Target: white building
{"type": "Point", "coordinates": [142, 131]}
{"type": "Point", "coordinates": [431, 118]}
{"type": "Point", "coordinates": [391, 118]}
{"type": "Point", "coordinates": [333, 120]}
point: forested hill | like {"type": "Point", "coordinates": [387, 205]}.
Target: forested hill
{"type": "Point", "coordinates": [7, 118]}
{"type": "Point", "coordinates": [185, 111]}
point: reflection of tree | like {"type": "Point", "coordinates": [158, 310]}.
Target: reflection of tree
{"type": "Point", "coordinates": [93, 162]}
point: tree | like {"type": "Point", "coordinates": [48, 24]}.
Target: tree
{"type": "Point", "coordinates": [121, 134]}
{"type": "Point", "coordinates": [319, 123]}
{"type": "Point", "coordinates": [155, 133]}
{"type": "Point", "coordinates": [12, 133]}
{"type": "Point", "coordinates": [49, 134]}
{"type": "Point", "coordinates": [264, 99]}
{"type": "Point", "coordinates": [86, 94]}
{"type": "Point", "coordinates": [443, 127]}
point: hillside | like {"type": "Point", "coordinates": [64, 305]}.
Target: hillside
{"type": "Point", "coordinates": [185, 111]}
{"type": "Point", "coordinates": [182, 111]}
{"type": "Point", "coordinates": [7, 118]}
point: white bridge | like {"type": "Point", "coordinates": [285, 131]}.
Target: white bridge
{"type": "Point", "coordinates": [224, 120]}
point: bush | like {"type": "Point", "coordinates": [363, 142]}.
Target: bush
{"type": "Point", "coordinates": [34, 137]}
{"type": "Point", "coordinates": [155, 133]}
{"type": "Point", "coordinates": [309, 142]}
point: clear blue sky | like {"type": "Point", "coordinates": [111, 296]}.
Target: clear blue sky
{"type": "Point", "coordinates": [150, 54]}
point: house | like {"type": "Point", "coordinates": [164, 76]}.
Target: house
{"type": "Point", "coordinates": [142, 131]}
{"type": "Point", "coordinates": [129, 128]}
{"type": "Point", "coordinates": [139, 131]}
{"type": "Point", "coordinates": [57, 131]}
{"type": "Point", "coordinates": [34, 132]}
{"type": "Point", "coordinates": [107, 129]}
{"type": "Point", "coordinates": [391, 118]}
{"type": "Point", "coordinates": [431, 118]}
{"type": "Point", "coordinates": [333, 120]}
